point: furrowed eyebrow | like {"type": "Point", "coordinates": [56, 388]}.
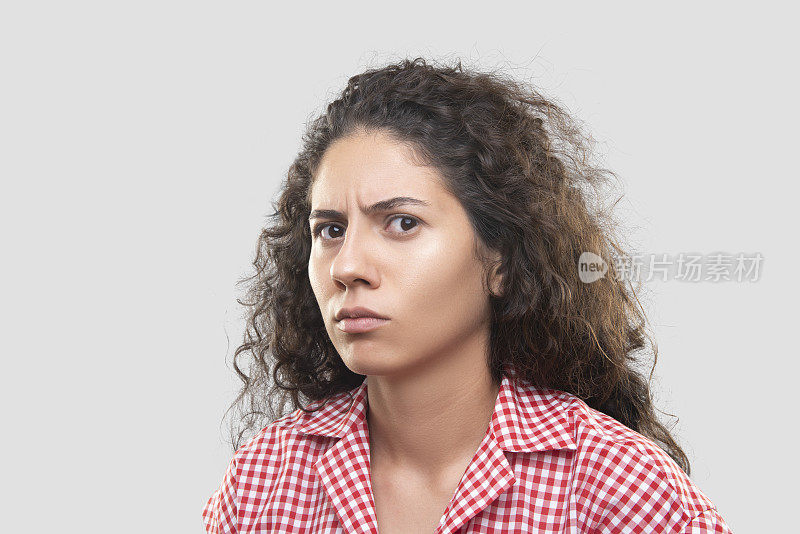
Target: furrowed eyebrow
{"type": "Point", "coordinates": [380, 206]}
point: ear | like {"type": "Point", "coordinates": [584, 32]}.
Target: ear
{"type": "Point", "coordinates": [497, 277]}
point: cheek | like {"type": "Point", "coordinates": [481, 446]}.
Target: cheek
{"type": "Point", "coordinates": [316, 279]}
{"type": "Point", "coordinates": [313, 276]}
{"type": "Point", "coordinates": [442, 289]}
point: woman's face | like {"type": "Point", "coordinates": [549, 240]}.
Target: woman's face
{"type": "Point", "coordinates": [411, 262]}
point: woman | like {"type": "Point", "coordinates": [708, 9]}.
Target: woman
{"type": "Point", "coordinates": [418, 300]}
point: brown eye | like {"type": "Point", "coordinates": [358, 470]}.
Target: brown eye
{"type": "Point", "coordinates": [407, 223]}
{"type": "Point", "coordinates": [320, 227]}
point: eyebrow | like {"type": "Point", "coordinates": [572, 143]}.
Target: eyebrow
{"type": "Point", "coordinates": [380, 206]}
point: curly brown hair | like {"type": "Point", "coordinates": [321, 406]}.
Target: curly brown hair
{"type": "Point", "coordinates": [518, 163]}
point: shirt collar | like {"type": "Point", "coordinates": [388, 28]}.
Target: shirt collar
{"type": "Point", "coordinates": [526, 418]}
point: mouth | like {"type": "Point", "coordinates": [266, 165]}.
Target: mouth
{"type": "Point", "coordinates": [358, 325]}
{"type": "Point", "coordinates": [357, 312]}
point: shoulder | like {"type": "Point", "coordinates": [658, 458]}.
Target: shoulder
{"type": "Point", "coordinates": [280, 448]}
{"type": "Point", "coordinates": [299, 437]}
{"type": "Point", "coordinates": [622, 477]}
{"type": "Point", "coordinates": [292, 436]}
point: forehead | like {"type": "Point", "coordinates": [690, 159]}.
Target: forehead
{"type": "Point", "coordinates": [366, 167]}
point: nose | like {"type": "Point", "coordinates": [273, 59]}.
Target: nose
{"type": "Point", "coordinates": [354, 262]}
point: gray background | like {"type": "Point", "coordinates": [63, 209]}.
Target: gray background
{"type": "Point", "coordinates": [141, 144]}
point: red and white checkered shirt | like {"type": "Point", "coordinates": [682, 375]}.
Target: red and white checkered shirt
{"type": "Point", "coordinates": [548, 463]}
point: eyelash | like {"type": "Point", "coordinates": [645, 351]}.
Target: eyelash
{"type": "Point", "coordinates": [319, 227]}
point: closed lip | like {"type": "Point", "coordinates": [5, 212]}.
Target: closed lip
{"type": "Point", "coordinates": [357, 311]}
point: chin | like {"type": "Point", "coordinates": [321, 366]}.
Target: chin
{"type": "Point", "coordinates": [369, 367]}
{"type": "Point", "coordinates": [370, 362]}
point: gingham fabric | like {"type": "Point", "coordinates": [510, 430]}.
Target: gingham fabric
{"type": "Point", "coordinates": [548, 464]}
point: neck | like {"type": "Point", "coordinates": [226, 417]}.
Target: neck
{"type": "Point", "coordinates": [434, 419]}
